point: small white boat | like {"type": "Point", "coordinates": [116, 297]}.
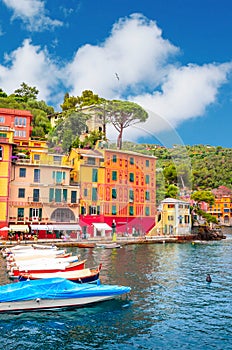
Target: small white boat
{"type": "Point", "coordinates": [25, 249]}
{"type": "Point", "coordinates": [35, 254]}
{"type": "Point", "coordinates": [28, 264]}
{"type": "Point", "coordinates": [54, 293]}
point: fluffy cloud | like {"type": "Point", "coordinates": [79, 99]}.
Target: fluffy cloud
{"type": "Point", "coordinates": [186, 93]}
{"type": "Point", "coordinates": [32, 65]}
{"type": "Point", "coordinates": [135, 50]}
{"type": "Point", "coordinates": [32, 13]}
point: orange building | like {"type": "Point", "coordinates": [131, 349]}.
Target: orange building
{"type": "Point", "coordinates": [115, 186]}
{"type": "Point", "coordinates": [222, 208]}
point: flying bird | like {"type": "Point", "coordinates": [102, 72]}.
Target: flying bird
{"type": "Point", "coordinates": [116, 74]}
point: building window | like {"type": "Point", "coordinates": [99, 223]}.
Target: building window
{"type": "Point", "coordinates": [22, 172]}
{"type": "Point", "coordinates": [83, 210]}
{"type": "Point", "coordinates": [131, 195]}
{"type": "Point", "coordinates": [147, 163]}
{"type": "Point", "coordinates": [114, 193]}
{"type": "Point", "coordinates": [51, 195]}
{"type": "Point", "coordinates": [57, 195]}
{"type": "Point", "coordinates": [114, 210]}
{"type": "Point", "coordinates": [35, 213]}
{"type": "Point", "coordinates": [92, 210]}
{"type": "Point", "coordinates": [147, 179]}
{"type": "Point", "coordinates": [114, 175]}
{"type": "Point", "coordinates": [36, 156]}
{"type": "Point", "coordinates": [63, 215]}
{"type": "Point", "coordinates": [94, 193]}
{"type": "Point", "coordinates": [20, 214]}
{"type": "Point", "coordinates": [91, 161]}
{"type": "Point", "coordinates": [132, 162]}
{"type": "Point", "coordinates": [94, 175]}
{"type": "Point", "coordinates": [57, 159]}
{"type": "Point", "coordinates": [171, 205]}
{"type": "Point", "coordinates": [20, 121]}
{"type": "Point", "coordinates": [65, 195]}
{"type": "Point", "coordinates": [147, 195]}
{"type": "Point", "coordinates": [114, 158]}
{"type": "Point", "coordinates": [186, 219]}
{"type": "Point", "coordinates": [36, 195]}
{"type": "Point", "coordinates": [131, 177]}
{"type": "Point", "coordinates": [1, 153]}
{"type": "Point", "coordinates": [170, 217]}
{"type": "Point", "coordinates": [20, 133]}
{"type": "Point", "coordinates": [3, 135]}
{"type": "Point", "coordinates": [131, 210]}
{"type": "Point", "coordinates": [2, 119]}
{"type": "Point", "coordinates": [21, 193]}
{"type": "Point", "coordinates": [36, 175]}
{"type": "Point", "coordinates": [147, 211]}
{"type": "Point", "coordinates": [73, 196]}
{"type": "Point", "coordinates": [85, 192]}
{"type": "Point", "coordinates": [58, 176]}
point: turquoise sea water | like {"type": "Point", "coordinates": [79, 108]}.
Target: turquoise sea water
{"type": "Point", "coordinates": [171, 306]}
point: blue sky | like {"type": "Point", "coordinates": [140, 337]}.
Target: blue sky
{"type": "Point", "coordinates": [173, 57]}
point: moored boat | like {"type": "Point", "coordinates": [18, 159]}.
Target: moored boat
{"type": "Point", "coordinates": [78, 276]}
{"type": "Point", "coordinates": [28, 264]}
{"type": "Point", "coordinates": [85, 245]}
{"type": "Point", "coordinates": [54, 293]}
{"type": "Point", "coordinates": [77, 265]}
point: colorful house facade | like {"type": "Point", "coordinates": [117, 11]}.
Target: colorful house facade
{"type": "Point", "coordinates": [174, 219]}
{"type": "Point", "coordinates": [41, 195]}
{"type": "Point", "coordinates": [6, 146]}
{"type": "Point", "coordinates": [222, 208]}
{"type": "Point", "coordinates": [115, 185]}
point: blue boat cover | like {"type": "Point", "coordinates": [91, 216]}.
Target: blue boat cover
{"type": "Point", "coordinates": [56, 288]}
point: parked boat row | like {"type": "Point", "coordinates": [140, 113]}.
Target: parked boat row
{"type": "Point", "coordinates": [49, 278]}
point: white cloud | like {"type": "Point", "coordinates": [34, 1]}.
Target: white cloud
{"type": "Point", "coordinates": [186, 93]}
{"type": "Point", "coordinates": [32, 65]}
{"type": "Point", "coordinates": [32, 13]}
{"type": "Point", "coordinates": [135, 50]}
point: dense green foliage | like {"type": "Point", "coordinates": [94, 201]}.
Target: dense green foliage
{"type": "Point", "coordinates": [25, 98]}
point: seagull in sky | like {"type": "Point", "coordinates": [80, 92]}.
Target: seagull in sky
{"type": "Point", "coordinates": [116, 74]}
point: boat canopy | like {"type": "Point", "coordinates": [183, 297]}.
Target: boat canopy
{"type": "Point", "coordinates": [56, 288]}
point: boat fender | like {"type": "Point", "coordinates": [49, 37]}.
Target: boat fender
{"type": "Point", "coordinates": [37, 300]}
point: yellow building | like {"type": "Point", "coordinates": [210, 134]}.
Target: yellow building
{"type": "Point", "coordinates": [6, 145]}
{"type": "Point", "coordinates": [174, 219]}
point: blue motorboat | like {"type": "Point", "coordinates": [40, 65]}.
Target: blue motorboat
{"type": "Point", "coordinates": [53, 293]}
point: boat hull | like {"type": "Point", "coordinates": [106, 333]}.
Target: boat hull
{"type": "Point", "coordinates": [72, 267]}
{"type": "Point", "coordinates": [48, 304]}
{"type": "Point", "coordinates": [78, 276]}
{"type": "Point", "coordinates": [54, 293]}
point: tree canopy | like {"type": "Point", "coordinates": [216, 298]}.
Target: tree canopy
{"type": "Point", "coordinates": [123, 114]}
